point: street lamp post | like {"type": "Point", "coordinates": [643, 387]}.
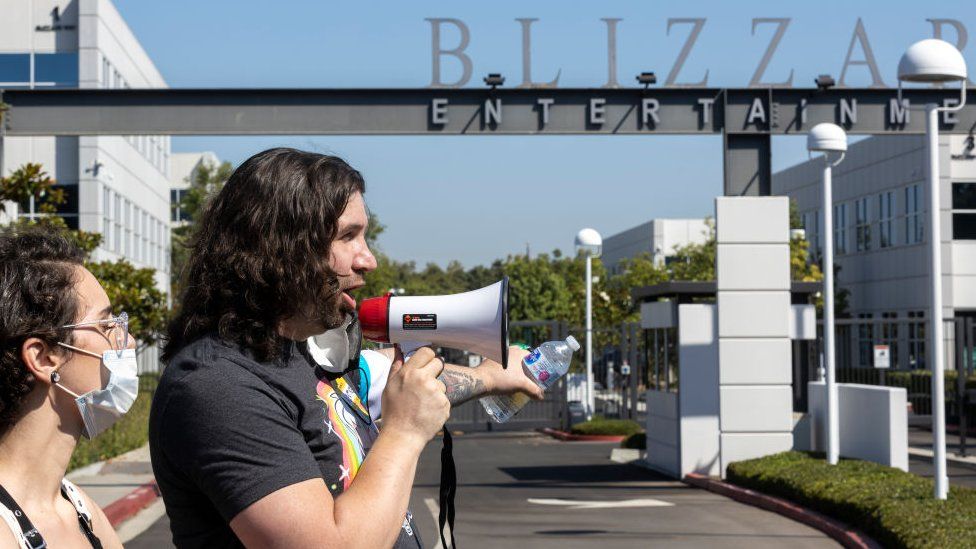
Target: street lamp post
{"type": "Point", "coordinates": [829, 138]}
{"type": "Point", "coordinates": [935, 61]}
{"type": "Point", "coordinates": [590, 243]}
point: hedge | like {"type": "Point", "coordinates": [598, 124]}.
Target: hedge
{"type": "Point", "coordinates": [894, 507]}
{"type": "Point", "coordinates": [131, 432]}
{"type": "Point", "coordinates": [595, 426]}
{"type": "Point", "coordinates": [636, 441]}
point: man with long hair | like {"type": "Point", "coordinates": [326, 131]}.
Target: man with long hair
{"type": "Point", "coordinates": [258, 437]}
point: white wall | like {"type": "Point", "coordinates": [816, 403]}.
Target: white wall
{"type": "Point", "coordinates": [661, 425]}
{"type": "Point", "coordinates": [873, 422]}
{"type": "Point", "coordinates": [698, 397]}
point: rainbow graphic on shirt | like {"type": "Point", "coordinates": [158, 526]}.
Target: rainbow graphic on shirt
{"type": "Point", "coordinates": [342, 423]}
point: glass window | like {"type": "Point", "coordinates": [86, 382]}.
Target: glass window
{"type": "Point", "coordinates": [964, 196]}
{"type": "Point", "coordinates": [914, 227]}
{"type": "Point", "coordinates": [889, 336]}
{"type": "Point", "coordinates": [964, 226]}
{"type": "Point", "coordinates": [862, 224]}
{"type": "Point", "coordinates": [60, 69]}
{"type": "Point", "coordinates": [840, 228]}
{"type": "Point", "coordinates": [15, 67]}
{"type": "Point", "coordinates": [886, 215]}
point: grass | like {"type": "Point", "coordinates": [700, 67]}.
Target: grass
{"type": "Point", "coordinates": [598, 426]}
{"type": "Point", "coordinates": [894, 507]}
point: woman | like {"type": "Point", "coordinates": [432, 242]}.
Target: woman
{"type": "Point", "coordinates": [67, 369]}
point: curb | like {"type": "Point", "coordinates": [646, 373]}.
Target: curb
{"type": "Point", "coordinates": [842, 533]}
{"type": "Point", "coordinates": [128, 506]}
{"type": "Point", "coordinates": [569, 437]}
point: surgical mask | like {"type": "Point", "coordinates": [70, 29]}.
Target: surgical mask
{"type": "Point", "coordinates": [101, 408]}
{"type": "Point", "coordinates": [333, 350]}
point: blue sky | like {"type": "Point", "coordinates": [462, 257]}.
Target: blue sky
{"type": "Point", "coordinates": [493, 196]}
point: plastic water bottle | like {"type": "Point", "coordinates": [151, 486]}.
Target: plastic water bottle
{"type": "Point", "coordinates": [544, 365]}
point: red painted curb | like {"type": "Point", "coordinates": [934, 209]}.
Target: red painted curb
{"type": "Point", "coordinates": [842, 533]}
{"type": "Point", "coordinates": [125, 508]}
{"type": "Point", "coordinates": [569, 437]}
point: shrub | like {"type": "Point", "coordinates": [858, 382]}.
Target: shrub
{"type": "Point", "coordinates": [636, 441]}
{"type": "Point", "coordinates": [894, 507]}
{"type": "Point", "coordinates": [623, 427]}
{"type": "Point", "coordinates": [129, 433]}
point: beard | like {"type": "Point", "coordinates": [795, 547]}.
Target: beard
{"type": "Point", "coordinates": [334, 311]}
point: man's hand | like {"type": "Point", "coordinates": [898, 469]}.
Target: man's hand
{"type": "Point", "coordinates": [414, 402]}
{"type": "Point", "coordinates": [514, 379]}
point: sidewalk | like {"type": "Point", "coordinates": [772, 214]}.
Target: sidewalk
{"type": "Point", "coordinates": [124, 487]}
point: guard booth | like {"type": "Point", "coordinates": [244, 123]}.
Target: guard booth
{"type": "Point", "coordinates": [721, 353]}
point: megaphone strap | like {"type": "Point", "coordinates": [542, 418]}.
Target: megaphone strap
{"type": "Point", "coordinates": [448, 489]}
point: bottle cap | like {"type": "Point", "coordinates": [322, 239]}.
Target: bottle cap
{"type": "Point", "coordinates": [573, 344]}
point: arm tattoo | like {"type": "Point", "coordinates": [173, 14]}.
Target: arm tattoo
{"type": "Point", "coordinates": [461, 386]}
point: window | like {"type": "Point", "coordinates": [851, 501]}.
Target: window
{"type": "Point", "coordinates": [865, 340]}
{"type": "Point", "coordinates": [840, 228]}
{"type": "Point", "coordinates": [117, 246]}
{"type": "Point", "coordinates": [862, 224]}
{"type": "Point", "coordinates": [889, 336]}
{"type": "Point", "coordinates": [15, 68]}
{"type": "Point", "coordinates": [964, 211]}
{"type": "Point", "coordinates": [811, 226]}
{"type": "Point", "coordinates": [107, 216]}
{"type": "Point", "coordinates": [886, 216]}
{"type": "Point", "coordinates": [914, 227]}
{"type": "Point", "coordinates": [916, 340]}
{"type": "Point", "coordinates": [56, 69]}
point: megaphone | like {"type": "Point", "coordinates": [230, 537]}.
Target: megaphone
{"type": "Point", "coordinates": [475, 321]}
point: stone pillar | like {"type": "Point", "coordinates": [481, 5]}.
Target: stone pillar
{"type": "Point", "coordinates": [753, 274]}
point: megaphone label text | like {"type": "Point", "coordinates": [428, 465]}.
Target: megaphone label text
{"type": "Point", "coordinates": [425, 321]}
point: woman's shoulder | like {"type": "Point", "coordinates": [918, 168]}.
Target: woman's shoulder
{"type": "Point", "coordinates": [99, 522]}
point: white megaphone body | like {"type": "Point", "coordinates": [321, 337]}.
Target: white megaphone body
{"type": "Point", "coordinates": [475, 321]}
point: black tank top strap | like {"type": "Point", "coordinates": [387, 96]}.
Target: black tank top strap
{"type": "Point", "coordinates": [71, 493]}
{"type": "Point", "coordinates": [27, 532]}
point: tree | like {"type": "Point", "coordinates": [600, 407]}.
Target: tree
{"type": "Point", "coordinates": [130, 289]}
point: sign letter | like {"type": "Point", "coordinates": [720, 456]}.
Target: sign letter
{"type": "Point", "coordinates": [706, 108]}
{"type": "Point", "coordinates": [438, 111]}
{"type": "Point", "coordinates": [436, 52]}
{"type": "Point", "coordinates": [527, 58]}
{"type": "Point", "coordinates": [598, 111]}
{"type": "Point", "coordinates": [782, 22]}
{"type": "Point", "coordinates": [848, 111]}
{"type": "Point", "coordinates": [962, 37]}
{"type": "Point", "coordinates": [493, 111]}
{"type": "Point", "coordinates": [698, 23]}
{"type": "Point", "coordinates": [860, 35]}
{"type": "Point", "coordinates": [611, 51]}
{"type": "Point", "coordinates": [649, 109]}
{"type": "Point", "coordinates": [545, 103]}
{"type": "Point", "coordinates": [899, 114]}
{"type": "Point", "coordinates": [756, 112]}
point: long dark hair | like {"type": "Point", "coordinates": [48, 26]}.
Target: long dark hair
{"type": "Point", "coordinates": [260, 252]}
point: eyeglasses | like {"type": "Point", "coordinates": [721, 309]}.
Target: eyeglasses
{"type": "Point", "coordinates": [118, 330]}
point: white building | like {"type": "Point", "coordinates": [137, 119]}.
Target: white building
{"type": "Point", "coordinates": [658, 238]}
{"type": "Point", "coordinates": [881, 239]}
{"type": "Point", "coordinates": [116, 186]}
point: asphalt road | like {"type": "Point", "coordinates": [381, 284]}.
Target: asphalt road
{"type": "Point", "coordinates": [528, 491]}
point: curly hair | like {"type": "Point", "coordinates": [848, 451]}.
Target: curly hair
{"type": "Point", "coordinates": [260, 253]}
{"type": "Point", "coordinates": [37, 298]}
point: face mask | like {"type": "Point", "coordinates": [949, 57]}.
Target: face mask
{"type": "Point", "coordinates": [334, 349]}
{"type": "Point", "coordinates": [101, 408]}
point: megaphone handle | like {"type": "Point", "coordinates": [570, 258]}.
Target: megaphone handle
{"type": "Point", "coordinates": [408, 348]}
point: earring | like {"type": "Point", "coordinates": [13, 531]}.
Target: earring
{"type": "Point", "coordinates": [55, 377]}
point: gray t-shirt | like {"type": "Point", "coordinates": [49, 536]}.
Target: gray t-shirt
{"type": "Point", "coordinates": [226, 430]}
